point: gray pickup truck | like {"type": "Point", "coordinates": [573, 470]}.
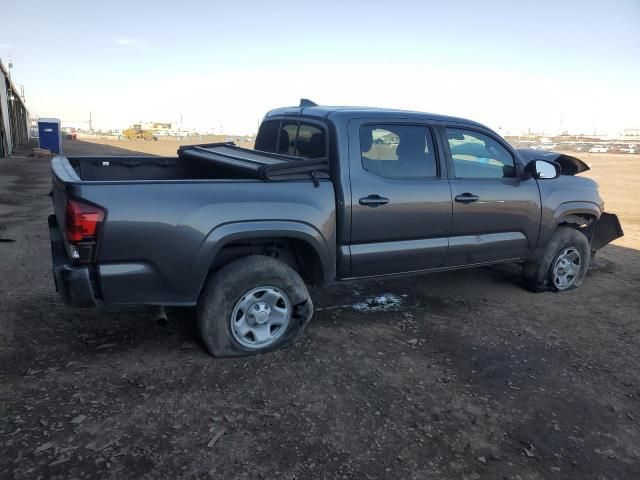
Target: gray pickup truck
{"type": "Point", "coordinates": [328, 193]}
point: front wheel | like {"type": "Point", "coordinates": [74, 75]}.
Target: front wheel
{"type": "Point", "coordinates": [253, 305]}
{"type": "Point", "coordinates": [563, 265]}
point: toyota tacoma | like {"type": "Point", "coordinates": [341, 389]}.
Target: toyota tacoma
{"type": "Point", "coordinates": [327, 194]}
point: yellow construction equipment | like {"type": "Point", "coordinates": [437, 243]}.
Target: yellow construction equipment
{"type": "Point", "coordinates": [136, 132]}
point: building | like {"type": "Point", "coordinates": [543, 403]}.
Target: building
{"type": "Point", "coordinates": [632, 133]}
{"type": "Point", "coordinates": [14, 117]}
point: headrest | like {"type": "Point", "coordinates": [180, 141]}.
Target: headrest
{"type": "Point", "coordinates": [411, 143]}
{"type": "Point", "coordinates": [316, 146]}
{"type": "Point", "coordinates": [283, 146]}
{"type": "Point", "coordinates": [366, 139]}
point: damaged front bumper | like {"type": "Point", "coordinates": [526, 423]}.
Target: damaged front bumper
{"type": "Point", "coordinates": [605, 230]}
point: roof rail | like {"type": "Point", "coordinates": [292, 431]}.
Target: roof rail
{"type": "Point", "coordinates": [305, 102]}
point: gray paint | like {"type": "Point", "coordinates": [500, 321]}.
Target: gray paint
{"type": "Point", "coordinates": [160, 237]}
{"type": "Point", "coordinates": [155, 251]}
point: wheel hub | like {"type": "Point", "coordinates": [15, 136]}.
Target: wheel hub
{"type": "Point", "coordinates": [260, 317]}
{"type": "Point", "coordinates": [566, 268]}
{"type": "Point", "coordinates": [259, 313]}
{"type": "Point", "coordinates": [562, 266]}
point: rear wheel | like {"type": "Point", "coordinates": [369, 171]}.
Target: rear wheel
{"type": "Point", "coordinates": [255, 304]}
{"type": "Point", "coordinates": [563, 265]}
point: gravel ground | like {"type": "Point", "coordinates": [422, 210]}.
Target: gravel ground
{"type": "Point", "coordinates": [462, 375]}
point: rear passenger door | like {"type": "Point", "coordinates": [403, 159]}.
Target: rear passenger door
{"type": "Point", "coordinates": [496, 212]}
{"type": "Point", "coordinates": [400, 198]}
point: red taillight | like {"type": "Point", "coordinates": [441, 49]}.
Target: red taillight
{"type": "Point", "coordinates": [82, 221]}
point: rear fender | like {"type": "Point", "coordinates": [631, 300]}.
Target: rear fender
{"type": "Point", "coordinates": [238, 231]}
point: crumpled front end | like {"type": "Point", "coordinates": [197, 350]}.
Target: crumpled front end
{"type": "Point", "coordinates": [568, 165]}
{"type": "Point", "coordinates": [605, 230]}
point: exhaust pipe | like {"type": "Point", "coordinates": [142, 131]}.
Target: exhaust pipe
{"type": "Point", "coordinates": [161, 316]}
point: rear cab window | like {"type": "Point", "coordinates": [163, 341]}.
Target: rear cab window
{"type": "Point", "coordinates": [267, 138]}
{"type": "Point", "coordinates": [289, 137]}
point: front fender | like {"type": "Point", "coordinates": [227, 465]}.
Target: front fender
{"type": "Point", "coordinates": [576, 208]}
{"type": "Point", "coordinates": [236, 231]}
{"type": "Point", "coordinates": [552, 218]}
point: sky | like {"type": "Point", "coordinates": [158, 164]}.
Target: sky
{"type": "Point", "coordinates": [515, 66]}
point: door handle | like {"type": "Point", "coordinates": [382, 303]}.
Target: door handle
{"type": "Point", "coordinates": [467, 198]}
{"type": "Point", "coordinates": [373, 201]}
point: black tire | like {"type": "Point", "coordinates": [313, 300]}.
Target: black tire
{"type": "Point", "coordinates": [538, 273]}
{"type": "Point", "coordinates": [224, 288]}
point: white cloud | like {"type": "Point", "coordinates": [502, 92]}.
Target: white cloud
{"type": "Point", "coordinates": [133, 42]}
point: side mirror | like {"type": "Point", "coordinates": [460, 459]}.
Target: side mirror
{"type": "Point", "coordinates": [542, 170]}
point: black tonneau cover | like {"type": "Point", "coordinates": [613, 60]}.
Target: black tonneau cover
{"type": "Point", "coordinates": [260, 165]}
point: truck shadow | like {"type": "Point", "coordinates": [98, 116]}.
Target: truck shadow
{"type": "Point", "coordinates": [490, 292]}
{"type": "Point", "coordinates": [501, 283]}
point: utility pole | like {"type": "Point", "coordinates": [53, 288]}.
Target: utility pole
{"type": "Point", "coordinates": [90, 122]}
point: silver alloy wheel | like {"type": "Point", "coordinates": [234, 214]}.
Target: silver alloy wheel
{"type": "Point", "coordinates": [260, 317]}
{"type": "Point", "coordinates": [566, 268]}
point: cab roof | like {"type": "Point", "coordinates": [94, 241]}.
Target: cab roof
{"type": "Point", "coordinates": [322, 112]}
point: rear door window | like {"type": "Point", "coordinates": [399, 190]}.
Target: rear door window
{"type": "Point", "coordinates": [398, 151]}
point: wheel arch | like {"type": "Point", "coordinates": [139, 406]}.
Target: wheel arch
{"type": "Point", "coordinates": [579, 215]}
{"type": "Point", "coordinates": [298, 244]}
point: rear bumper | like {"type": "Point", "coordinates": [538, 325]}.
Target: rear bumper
{"type": "Point", "coordinates": [605, 230]}
{"type": "Point", "coordinates": [73, 283]}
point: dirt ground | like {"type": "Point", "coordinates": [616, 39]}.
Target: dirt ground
{"type": "Point", "coordinates": [471, 377]}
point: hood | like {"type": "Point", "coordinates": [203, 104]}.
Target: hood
{"type": "Point", "coordinates": [568, 165]}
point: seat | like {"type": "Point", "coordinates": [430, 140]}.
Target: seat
{"type": "Point", "coordinates": [414, 161]}
{"type": "Point", "coordinates": [366, 140]}
{"type": "Point", "coordinates": [316, 146]}
{"type": "Point", "coordinates": [284, 142]}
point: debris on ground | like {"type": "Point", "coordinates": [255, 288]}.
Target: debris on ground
{"type": "Point", "coordinates": [215, 438]}
{"type": "Point", "coordinates": [379, 303]}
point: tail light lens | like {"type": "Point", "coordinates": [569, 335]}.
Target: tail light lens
{"type": "Point", "coordinates": [82, 221]}
{"type": "Point", "coordinates": [82, 226]}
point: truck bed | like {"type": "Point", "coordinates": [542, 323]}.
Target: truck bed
{"type": "Point", "coordinates": [195, 162]}
{"type": "Point", "coordinates": [166, 217]}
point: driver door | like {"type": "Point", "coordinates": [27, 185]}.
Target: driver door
{"type": "Point", "coordinates": [496, 214]}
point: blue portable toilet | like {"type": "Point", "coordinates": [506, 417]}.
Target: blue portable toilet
{"type": "Point", "coordinates": [50, 134]}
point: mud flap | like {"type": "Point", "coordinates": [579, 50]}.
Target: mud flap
{"type": "Point", "coordinates": [605, 230]}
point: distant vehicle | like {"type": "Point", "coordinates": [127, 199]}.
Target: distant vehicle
{"type": "Point", "coordinates": [240, 233]}
{"type": "Point", "coordinates": [543, 146]}
{"type": "Point", "coordinates": [135, 132]}
{"type": "Point", "coordinates": [629, 149]}
{"type": "Point", "coordinates": [70, 133]}
{"type": "Point", "coordinates": [599, 149]}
